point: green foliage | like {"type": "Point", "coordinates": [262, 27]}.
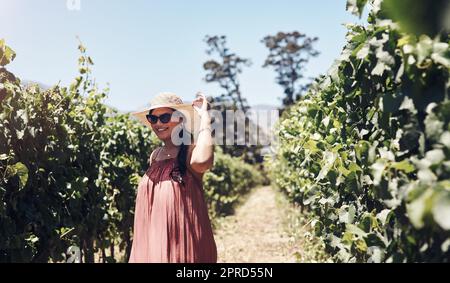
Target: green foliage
{"type": "Point", "coordinates": [6, 54]}
{"type": "Point", "coordinates": [367, 151]}
{"type": "Point", "coordinates": [356, 7]}
{"type": "Point", "coordinates": [422, 17]}
{"type": "Point", "coordinates": [70, 166]}
{"type": "Point", "coordinates": [288, 55]}
{"type": "Point", "coordinates": [224, 68]}
{"type": "Point", "coordinates": [228, 180]}
{"type": "Point", "coordinates": [225, 72]}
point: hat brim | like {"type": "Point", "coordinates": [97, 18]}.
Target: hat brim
{"type": "Point", "coordinates": [192, 123]}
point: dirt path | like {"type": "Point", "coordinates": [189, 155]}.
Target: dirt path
{"type": "Point", "coordinates": [266, 228]}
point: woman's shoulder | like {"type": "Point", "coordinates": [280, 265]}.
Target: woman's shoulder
{"type": "Point", "coordinates": [153, 155]}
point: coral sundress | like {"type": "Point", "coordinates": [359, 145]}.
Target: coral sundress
{"type": "Point", "coordinates": [171, 222]}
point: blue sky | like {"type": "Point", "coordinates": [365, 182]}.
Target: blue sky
{"type": "Point", "coordinates": [144, 47]}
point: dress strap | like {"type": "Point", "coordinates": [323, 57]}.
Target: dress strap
{"type": "Point", "coordinates": [157, 153]}
{"type": "Point", "coordinates": [154, 155]}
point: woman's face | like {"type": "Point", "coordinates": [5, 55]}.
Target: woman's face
{"type": "Point", "coordinates": [164, 130]}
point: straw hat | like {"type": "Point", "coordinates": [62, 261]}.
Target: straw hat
{"type": "Point", "coordinates": [171, 100]}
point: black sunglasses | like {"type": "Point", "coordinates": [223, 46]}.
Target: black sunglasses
{"type": "Point", "coordinates": [164, 118]}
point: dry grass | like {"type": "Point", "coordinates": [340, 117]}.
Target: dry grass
{"type": "Point", "coordinates": [266, 228]}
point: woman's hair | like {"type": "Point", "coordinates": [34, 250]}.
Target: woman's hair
{"type": "Point", "coordinates": [182, 156]}
{"type": "Point", "coordinates": [182, 153]}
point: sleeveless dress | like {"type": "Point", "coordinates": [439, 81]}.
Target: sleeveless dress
{"type": "Point", "coordinates": [171, 222]}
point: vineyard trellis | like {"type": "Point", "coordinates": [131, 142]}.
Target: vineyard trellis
{"type": "Point", "coordinates": [70, 166]}
{"type": "Point", "coordinates": [367, 151]}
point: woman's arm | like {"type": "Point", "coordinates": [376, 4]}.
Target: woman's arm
{"type": "Point", "coordinates": [202, 157]}
{"type": "Point", "coordinates": [150, 159]}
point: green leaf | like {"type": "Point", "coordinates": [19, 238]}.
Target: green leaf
{"type": "Point", "coordinates": [356, 7]}
{"type": "Point", "coordinates": [418, 208]}
{"type": "Point", "coordinates": [445, 139]}
{"type": "Point", "coordinates": [420, 16]}
{"type": "Point", "coordinates": [404, 165]}
{"type": "Point", "coordinates": [435, 156]}
{"type": "Point", "coordinates": [362, 149]}
{"type": "Point", "coordinates": [20, 170]}
{"type": "Point", "coordinates": [20, 134]}
{"type": "Point", "coordinates": [433, 125]}
{"type": "Point", "coordinates": [441, 210]}
{"type": "Point", "coordinates": [355, 230]}
{"type": "Point", "coordinates": [354, 167]}
{"type": "Point", "coordinates": [377, 170]}
{"type": "Point", "coordinates": [33, 239]}
{"type": "Point", "coordinates": [347, 214]}
{"type": "Point", "coordinates": [441, 54]}
{"type": "Point", "coordinates": [408, 104]}
{"type": "Point", "coordinates": [379, 69]}
{"type": "Point", "coordinates": [361, 245]}
{"type": "Point", "coordinates": [7, 55]}
{"type": "Point", "coordinates": [363, 52]}
{"type": "Point", "coordinates": [385, 57]}
{"type": "Point", "coordinates": [424, 48]}
{"type": "Point", "coordinates": [377, 254]}
{"type": "Point", "coordinates": [445, 245]}
{"type": "Point", "coordinates": [383, 215]}
{"type": "Point", "coordinates": [426, 176]}
{"type": "Point", "coordinates": [327, 162]}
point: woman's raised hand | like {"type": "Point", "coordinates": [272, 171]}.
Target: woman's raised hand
{"type": "Point", "coordinates": [200, 104]}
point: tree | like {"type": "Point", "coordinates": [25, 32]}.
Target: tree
{"type": "Point", "coordinates": [289, 53]}
{"type": "Point", "coordinates": [225, 73]}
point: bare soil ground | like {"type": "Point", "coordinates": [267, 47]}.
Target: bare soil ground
{"type": "Point", "coordinates": [266, 227]}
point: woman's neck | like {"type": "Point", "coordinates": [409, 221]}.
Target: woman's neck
{"type": "Point", "coordinates": [168, 145]}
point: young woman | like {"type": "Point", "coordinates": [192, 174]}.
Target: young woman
{"type": "Point", "coordinates": [171, 221]}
